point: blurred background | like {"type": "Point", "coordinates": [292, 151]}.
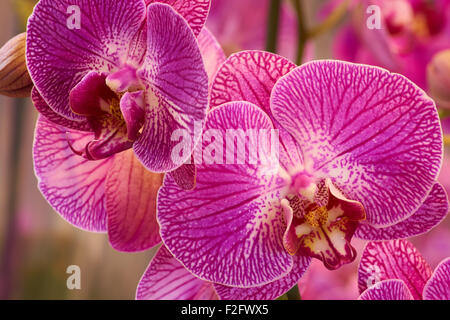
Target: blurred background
{"type": "Point", "coordinates": [36, 245]}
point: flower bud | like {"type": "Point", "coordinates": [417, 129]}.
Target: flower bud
{"type": "Point", "coordinates": [15, 80]}
{"type": "Point", "coordinates": [438, 76]}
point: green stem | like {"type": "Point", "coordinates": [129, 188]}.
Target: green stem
{"type": "Point", "coordinates": [444, 113]}
{"type": "Point", "coordinates": [294, 293]}
{"type": "Point", "coordinates": [301, 30]}
{"type": "Point", "coordinates": [272, 25]}
{"type": "Point", "coordinates": [330, 22]}
{"type": "Point", "coordinates": [305, 34]}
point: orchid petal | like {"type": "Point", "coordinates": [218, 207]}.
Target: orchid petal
{"type": "Point", "coordinates": [229, 229]}
{"type": "Point", "coordinates": [397, 259]}
{"type": "Point", "coordinates": [387, 290]}
{"type": "Point", "coordinates": [91, 96]}
{"type": "Point", "coordinates": [249, 76]}
{"type": "Point", "coordinates": [326, 232]}
{"type": "Point", "coordinates": [185, 176]}
{"type": "Point", "coordinates": [167, 279]}
{"type": "Point", "coordinates": [429, 215]}
{"type": "Point", "coordinates": [212, 53]}
{"type": "Point", "coordinates": [59, 56]}
{"type": "Point", "coordinates": [438, 287]}
{"type": "Point", "coordinates": [375, 134]}
{"type": "Point", "coordinates": [130, 202]}
{"type": "Point", "coordinates": [194, 12]}
{"type": "Point", "coordinates": [269, 291]}
{"type": "Point", "coordinates": [43, 108]}
{"type": "Point", "coordinates": [177, 88]}
{"type": "Point", "coordinates": [72, 185]}
{"type": "Point", "coordinates": [111, 138]}
{"type": "Point", "coordinates": [132, 108]}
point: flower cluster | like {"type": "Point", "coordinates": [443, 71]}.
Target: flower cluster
{"type": "Point", "coordinates": [358, 153]}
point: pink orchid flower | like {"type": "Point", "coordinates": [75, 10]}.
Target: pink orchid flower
{"type": "Point", "coordinates": [91, 67]}
{"type": "Point", "coordinates": [395, 270]}
{"type": "Point", "coordinates": [360, 151]}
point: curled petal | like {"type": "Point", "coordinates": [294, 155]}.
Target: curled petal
{"type": "Point", "coordinates": [131, 204]}
{"type": "Point", "coordinates": [132, 108]}
{"type": "Point", "coordinates": [167, 279]}
{"type": "Point", "coordinates": [396, 259]}
{"type": "Point", "coordinates": [374, 133]}
{"type": "Point", "coordinates": [60, 53]}
{"type": "Point", "coordinates": [74, 186]}
{"type": "Point", "coordinates": [229, 229]}
{"type": "Point", "coordinates": [43, 108]}
{"type": "Point", "coordinates": [177, 88]}
{"type": "Point", "coordinates": [185, 176]}
{"type": "Point", "coordinates": [269, 291]}
{"type": "Point", "coordinates": [194, 12]}
{"type": "Point", "coordinates": [387, 290]}
{"type": "Point", "coordinates": [429, 215]}
{"type": "Point", "coordinates": [91, 96]}
{"type": "Point", "coordinates": [323, 232]}
{"type": "Point", "coordinates": [110, 139]}
{"type": "Point", "coordinates": [438, 287]}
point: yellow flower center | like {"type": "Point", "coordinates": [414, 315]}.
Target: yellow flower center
{"type": "Point", "coordinates": [317, 217]}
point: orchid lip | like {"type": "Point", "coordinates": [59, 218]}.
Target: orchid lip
{"type": "Point", "coordinates": [115, 116]}
{"type": "Point", "coordinates": [322, 228]}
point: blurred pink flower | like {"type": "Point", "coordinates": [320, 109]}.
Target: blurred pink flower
{"type": "Point", "coordinates": [319, 283]}
{"type": "Point", "coordinates": [242, 25]}
{"type": "Point", "coordinates": [435, 245]}
{"type": "Point", "coordinates": [412, 31]}
{"type": "Point", "coordinates": [395, 270]}
{"type": "Point", "coordinates": [444, 176]}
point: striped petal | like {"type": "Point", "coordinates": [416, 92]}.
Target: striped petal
{"type": "Point", "coordinates": [374, 133]}
{"type": "Point", "coordinates": [397, 259]}
{"type": "Point", "coordinates": [438, 287]}
{"type": "Point", "coordinates": [387, 290]}
{"type": "Point", "coordinates": [194, 12]}
{"type": "Point", "coordinates": [249, 76]}
{"type": "Point", "coordinates": [269, 291]}
{"type": "Point", "coordinates": [166, 279]}
{"type": "Point", "coordinates": [185, 176]}
{"type": "Point", "coordinates": [59, 54]}
{"type": "Point", "coordinates": [131, 204]}
{"type": "Point", "coordinates": [229, 229]}
{"type": "Point", "coordinates": [74, 186]}
{"type": "Point", "coordinates": [428, 216]}
{"type": "Point", "coordinates": [177, 88]}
